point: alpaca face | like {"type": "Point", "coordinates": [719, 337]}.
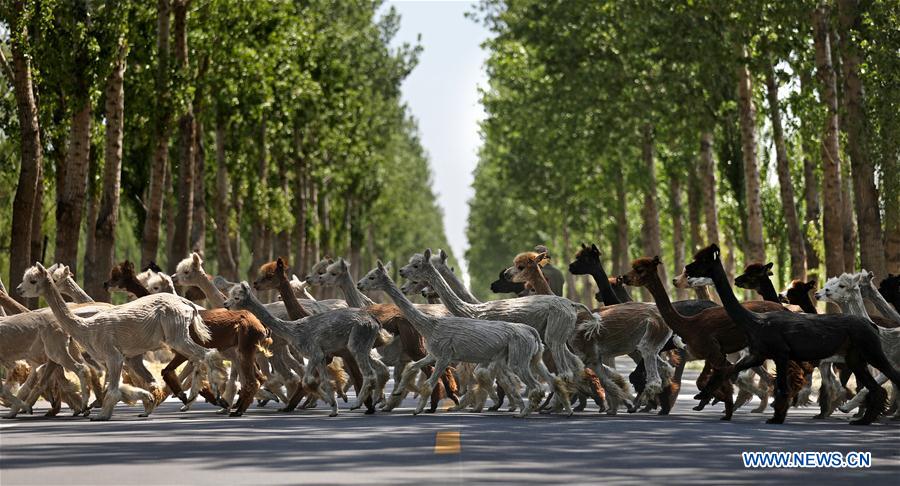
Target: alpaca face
{"type": "Point", "coordinates": [34, 281]}
{"type": "Point", "coordinates": [119, 275]}
{"type": "Point", "coordinates": [643, 270]}
{"type": "Point", "coordinates": [412, 287]}
{"type": "Point", "coordinates": [704, 263]}
{"type": "Point", "coordinates": [525, 265]}
{"type": "Point", "coordinates": [334, 272]}
{"type": "Point", "coordinates": [504, 286]}
{"type": "Point", "coordinates": [585, 261]}
{"type": "Point", "coordinates": [156, 282]}
{"type": "Point", "coordinates": [681, 281]}
{"type": "Point", "coordinates": [271, 275]}
{"type": "Point", "coordinates": [189, 271]}
{"type": "Point", "coordinates": [799, 291]}
{"type": "Point", "coordinates": [840, 289]}
{"type": "Point", "coordinates": [239, 297]}
{"type": "Point", "coordinates": [376, 279]}
{"type": "Point", "coordinates": [417, 268]}
{"type": "Point", "coordinates": [319, 269]}
{"type": "Point", "coordinates": [754, 276]}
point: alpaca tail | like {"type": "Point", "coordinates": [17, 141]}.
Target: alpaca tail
{"type": "Point", "coordinates": [591, 328]}
{"type": "Point", "coordinates": [383, 338]}
{"type": "Point", "coordinates": [199, 327]}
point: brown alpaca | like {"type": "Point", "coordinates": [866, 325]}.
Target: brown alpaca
{"type": "Point", "coordinates": [527, 269]}
{"type": "Point", "coordinates": [710, 334]}
{"type": "Point", "coordinates": [274, 276]}
{"type": "Point", "coordinates": [237, 334]}
{"type": "Point", "coordinates": [799, 293]}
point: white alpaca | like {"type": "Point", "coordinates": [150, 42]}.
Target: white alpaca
{"type": "Point", "coordinates": [845, 292]}
{"type": "Point", "coordinates": [317, 336]}
{"type": "Point", "coordinates": [127, 331]}
{"type": "Point", "coordinates": [511, 350]}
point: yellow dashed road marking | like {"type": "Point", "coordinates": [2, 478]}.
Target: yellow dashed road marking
{"type": "Point", "coordinates": [447, 442]}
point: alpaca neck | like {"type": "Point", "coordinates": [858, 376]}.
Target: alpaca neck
{"type": "Point", "coordinates": [74, 292]}
{"type": "Point", "coordinates": [454, 303]}
{"type": "Point", "coordinates": [702, 293]}
{"type": "Point", "coordinates": [738, 313]}
{"type": "Point", "coordinates": [291, 304]}
{"type": "Point", "coordinates": [213, 295]}
{"type": "Point", "coordinates": [419, 321]}
{"type": "Point", "coordinates": [676, 321]}
{"type": "Point", "coordinates": [457, 286]}
{"type": "Point", "coordinates": [537, 281]}
{"type": "Point", "coordinates": [767, 291]}
{"type": "Point", "coordinates": [606, 291]}
{"type": "Point", "coordinates": [853, 305]}
{"type": "Point", "coordinates": [135, 287]}
{"type": "Point", "coordinates": [281, 328]}
{"type": "Point", "coordinates": [354, 297]}
{"type": "Point", "coordinates": [70, 323]}
{"type": "Point", "coordinates": [805, 302]}
{"type": "Point", "coordinates": [884, 307]}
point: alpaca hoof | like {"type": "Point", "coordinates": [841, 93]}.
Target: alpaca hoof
{"type": "Point", "coordinates": [99, 419]}
{"type": "Point", "coordinates": [262, 403]}
{"type": "Point", "coordinates": [494, 408]}
{"type": "Point", "coordinates": [663, 412]}
{"type": "Point", "coordinates": [183, 397]}
{"type": "Point", "coordinates": [222, 411]}
{"type": "Point", "coordinates": [222, 403]}
{"type": "Point", "coordinates": [611, 412]}
{"type": "Point", "coordinates": [844, 409]}
{"type": "Point", "coordinates": [144, 415]}
{"type": "Point", "coordinates": [818, 416]}
{"type": "Point", "coordinates": [286, 409]}
{"type": "Point", "coordinates": [579, 408]}
{"type": "Point", "coordinates": [333, 414]}
{"type": "Point", "coordinates": [86, 413]}
{"type": "Point", "coordinates": [860, 422]}
{"type": "Point", "coordinates": [775, 421]}
{"type": "Point", "coordinates": [235, 414]}
{"type": "Point", "coordinates": [184, 408]}
{"type": "Point", "coordinates": [371, 411]}
{"type": "Point", "coordinates": [698, 408]}
{"type": "Point", "coordinates": [725, 418]}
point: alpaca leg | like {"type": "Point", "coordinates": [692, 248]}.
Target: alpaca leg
{"type": "Point", "coordinates": [144, 378]}
{"type": "Point", "coordinates": [875, 399]}
{"type": "Point", "coordinates": [249, 384]}
{"type": "Point", "coordinates": [782, 391]}
{"type": "Point", "coordinates": [114, 362]}
{"type": "Point", "coordinates": [16, 404]}
{"type": "Point", "coordinates": [326, 391]}
{"type": "Point", "coordinates": [508, 383]}
{"type": "Point", "coordinates": [830, 391]}
{"type": "Point", "coordinates": [441, 364]}
{"type": "Point", "coordinates": [57, 350]}
{"type": "Point", "coordinates": [861, 394]}
{"type": "Point", "coordinates": [369, 387]}
{"type": "Point", "coordinates": [538, 368]}
{"type": "Point", "coordinates": [407, 378]}
{"type": "Point", "coordinates": [38, 382]}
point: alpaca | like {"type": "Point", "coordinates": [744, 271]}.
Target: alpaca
{"type": "Point", "coordinates": [845, 292]}
{"type": "Point", "coordinates": [317, 336]}
{"type": "Point", "coordinates": [709, 335]}
{"type": "Point", "coordinates": [237, 335]}
{"type": "Point", "coordinates": [798, 293]}
{"type": "Point", "coordinates": [890, 290]}
{"type": "Point", "coordinates": [124, 331]}
{"type": "Point", "coordinates": [65, 280]}
{"type": "Point", "coordinates": [505, 286]}
{"type": "Point", "coordinates": [783, 336]}
{"type": "Point", "coordinates": [870, 293]}
{"type": "Point", "coordinates": [439, 261]}
{"type": "Point", "coordinates": [587, 262]}
{"type": "Point", "coordinates": [513, 350]}
{"type": "Point", "coordinates": [273, 276]}
{"type": "Point", "coordinates": [526, 269]}
{"type": "Point", "coordinates": [411, 345]}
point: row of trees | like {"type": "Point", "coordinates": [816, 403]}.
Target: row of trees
{"type": "Point", "coordinates": [243, 129]}
{"type": "Point", "coordinates": [772, 128]}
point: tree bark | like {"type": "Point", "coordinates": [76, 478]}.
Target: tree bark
{"type": "Point", "coordinates": [868, 218]}
{"type": "Point", "coordinates": [570, 292]}
{"type": "Point", "coordinates": [789, 208]}
{"type": "Point", "coordinates": [620, 252]}
{"type": "Point", "coordinates": [650, 233]}
{"type": "Point", "coordinates": [708, 180]}
{"type": "Point", "coordinates": [675, 207]}
{"type": "Point", "coordinates": [70, 200]}
{"type": "Point", "coordinates": [105, 230]}
{"type": "Point", "coordinates": [260, 239]}
{"type": "Point", "coordinates": [227, 265]}
{"type": "Point", "coordinates": [162, 116]}
{"type": "Point", "coordinates": [832, 221]}
{"type": "Point", "coordinates": [755, 250]}
{"type": "Point", "coordinates": [198, 224]}
{"type": "Point", "coordinates": [300, 205]}
{"type": "Point", "coordinates": [810, 186]}
{"type": "Point", "coordinates": [180, 245]}
{"type": "Point", "coordinates": [695, 203]}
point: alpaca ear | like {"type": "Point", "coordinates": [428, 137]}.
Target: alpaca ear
{"type": "Point", "coordinates": [196, 258]}
{"type": "Point", "coordinates": [769, 267]}
{"type": "Point", "coordinates": [279, 263]}
{"type": "Point", "coordinates": [380, 266]}
{"type": "Point", "coordinates": [656, 260]}
{"type": "Point", "coordinates": [443, 255]}
{"type": "Point", "coordinates": [343, 263]}
{"type": "Point", "coordinates": [583, 246]}
{"type": "Point", "coordinates": [67, 272]}
{"type": "Point", "coordinates": [128, 265]}
{"type": "Point", "coordinates": [245, 286]}
{"type": "Point", "coordinates": [427, 254]}
{"type": "Point", "coordinates": [40, 267]}
{"type": "Point", "coordinates": [542, 259]}
{"type": "Point", "coordinates": [388, 266]}
{"type": "Point", "coordinates": [595, 249]}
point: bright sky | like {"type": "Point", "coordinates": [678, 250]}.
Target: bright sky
{"type": "Point", "coordinates": [442, 93]}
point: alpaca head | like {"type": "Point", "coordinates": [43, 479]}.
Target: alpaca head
{"type": "Point", "coordinates": [841, 289]}
{"type": "Point", "coordinates": [799, 291]}
{"type": "Point", "coordinates": [412, 287]}
{"type": "Point", "coordinates": [36, 280]}
{"type": "Point", "coordinates": [223, 284]}
{"type": "Point", "coordinates": [586, 260]}
{"type": "Point", "coordinates": [526, 265]}
{"type": "Point", "coordinates": [318, 270]}
{"type": "Point", "coordinates": [333, 272]}
{"type": "Point", "coordinates": [190, 271]}
{"type": "Point", "coordinates": [271, 275]}
{"type": "Point", "coordinates": [61, 273]}
{"type": "Point", "coordinates": [439, 258]}
{"type": "Point", "coordinates": [420, 268]}
{"type": "Point", "coordinates": [754, 277]}
{"type": "Point", "coordinates": [376, 279]}
{"type": "Point", "coordinates": [643, 271]}
{"type": "Point", "coordinates": [120, 276]}
{"type": "Point", "coordinates": [700, 271]}
{"type": "Point", "coordinates": [239, 297]}
{"type": "Point", "coordinates": [505, 286]}
{"type": "Point", "coordinates": [890, 288]}
{"type": "Point", "coordinates": [155, 280]}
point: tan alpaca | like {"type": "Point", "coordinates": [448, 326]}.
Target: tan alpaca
{"type": "Point", "coordinates": [527, 269]}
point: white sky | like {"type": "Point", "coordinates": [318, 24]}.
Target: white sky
{"type": "Point", "coordinates": [442, 93]}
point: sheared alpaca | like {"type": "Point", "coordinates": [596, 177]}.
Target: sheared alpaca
{"type": "Point", "coordinates": [317, 336]}
{"type": "Point", "coordinates": [127, 331]}
{"type": "Point", "coordinates": [783, 336]}
{"type": "Point", "coordinates": [554, 318]}
{"type": "Point", "coordinates": [709, 335]}
{"type": "Point", "coordinates": [512, 350]}
{"type": "Point", "coordinates": [845, 292]}
{"type": "Point", "coordinates": [410, 345]}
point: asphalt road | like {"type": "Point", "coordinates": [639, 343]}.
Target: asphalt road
{"type": "Point", "coordinates": [307, 447]}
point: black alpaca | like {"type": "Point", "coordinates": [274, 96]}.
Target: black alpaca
{"type": "Point", "coordinates": [612, 292]}
{"type": "Point", "coordinates": [783, 336]}
{"type": "Point", "coordinates": [798, 294]}
{"type": "Point", "coordinates": [504, 286]}
{"type": "Point", "coordinates": [890, 289]}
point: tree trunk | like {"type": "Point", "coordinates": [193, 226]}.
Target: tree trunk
{"type": "Point", "coordinates": [260, 243]}
{"type": "Point", "coordinates": [695, 203]}
{"type": "Point", "coordinates": [755, 250]}
{"type": "Point", "coordinates": [650, 214]}
{"type": "Point", "coordinates": [180, 245]}
{"type": "Point", "coordinates": [227, 265]}
{"type": "Point", "coordinates": [162, 115]}
{"type": "Point", "coordinates": [848, 218]}
{"type": "Point", "coordinates": [620, 252]}
{"type": "Point", "coordinates": [90, 222]}
{"type": "Point", "coordinates": [300, 205]}
{"type": "Point", "coordinates": [789, 208]}
{"type": "Point", "coordinates": [198, 225]}
{"type": "Point", "coordinates": [832, 221]}
{"type": "Point", "coordinates": [810, 186]}
{"type": "Point", "coordinates": [871, 239]}
{"type": "Point", "coordinates": [570, 279]}
{"type": "Point", "coordinates": [708, 180]}
{"type": "Point", "coordinates": [313, 252]}
{"type": "Point", "coordinates": [105, 229]}
{"type": "Point", "coordinates": [677, 228]}
{"type": "Point", "coordinates": [70, 200]}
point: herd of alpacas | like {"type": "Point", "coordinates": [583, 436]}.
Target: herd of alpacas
{"type": "Point", "coordinates": [537, 345]}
